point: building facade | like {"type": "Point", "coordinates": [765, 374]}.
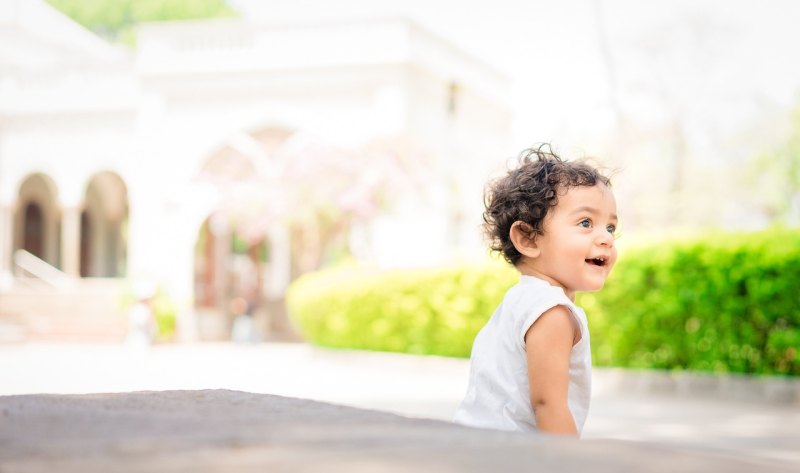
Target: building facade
{"type": "Point", "coordinates": [117, 165]}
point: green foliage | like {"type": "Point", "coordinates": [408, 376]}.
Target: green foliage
{"type": "Point", "coordinates": [723, 302]}
{"type": "Point", "coordinates": [117, 19]}
{"type": "Point", "coordinates": [165, 311]}
{"type": "Point", "coordinates": [435, 311]}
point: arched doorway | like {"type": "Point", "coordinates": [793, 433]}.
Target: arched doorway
{"type": "Point", "coordinates": [209, 256]}
{"type": "Point", "coordinates": [227, 267]}
{"type": "Point", "coordinates": [103, 226]}
{"type": "Point", "coordinates": [33, 233]}
{"type": "Point", "coordinates": [233, 251]}
{"type": "Point", "coordinates": [37, 219]}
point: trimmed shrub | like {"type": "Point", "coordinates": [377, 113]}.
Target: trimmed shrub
{"type": "Point", "coordinates": [430, 311]}
{"type": "Point", "coordinates": [721, 302]}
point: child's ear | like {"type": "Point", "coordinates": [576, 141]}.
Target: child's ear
{"type": "Point", "coordinates": [523, 238]}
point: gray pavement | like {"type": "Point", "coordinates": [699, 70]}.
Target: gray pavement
{"type": "Point", "coordinates": [222, 430]}
{"type": "Point", "coordinates": [763, 430]}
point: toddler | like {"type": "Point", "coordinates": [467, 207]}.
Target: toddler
{"type": "Point", "coordinates": [531, 366]}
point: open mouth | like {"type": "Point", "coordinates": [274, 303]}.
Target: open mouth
{"type": "Point", "coordinates": [599, 261]}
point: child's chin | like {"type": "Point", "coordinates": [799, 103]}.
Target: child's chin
{"type": "Point", "coordinates": [594, 287]}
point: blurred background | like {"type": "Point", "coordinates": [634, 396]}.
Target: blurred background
{"type": "Point", "coordinates": [199, 156]}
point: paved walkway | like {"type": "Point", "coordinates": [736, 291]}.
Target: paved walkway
{"type": "Point", "coordinates": [409, 385]}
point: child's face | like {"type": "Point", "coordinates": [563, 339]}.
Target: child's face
{"type": "Point", "coordinates": [577, 248]}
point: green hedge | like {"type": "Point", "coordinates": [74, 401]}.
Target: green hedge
{"type": "Point", "coordinates": [435, 311]}
{"type": "Point", "coordinates": [723, 302]}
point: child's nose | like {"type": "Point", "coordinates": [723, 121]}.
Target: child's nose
{"type": "Point", "coordinates": [606, 239]}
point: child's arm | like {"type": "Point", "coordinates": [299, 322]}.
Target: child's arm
{"type": "Point", "coordinates": [548, 343]}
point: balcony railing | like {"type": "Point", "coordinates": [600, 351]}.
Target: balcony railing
{"type": "Point", "coordinates": [31, 268]}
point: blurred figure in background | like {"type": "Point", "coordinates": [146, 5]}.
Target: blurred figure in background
{"type": "Point", "coordinates": [141, 322]}
{"type": "Point", "coordinates": [244, 327]}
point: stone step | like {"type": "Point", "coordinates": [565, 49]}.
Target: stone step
{"type": "Point", "coordinates": [86, 311]}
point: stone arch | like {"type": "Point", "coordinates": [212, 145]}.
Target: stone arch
{"type": "Point", "coordinates": [103, 227]}
{"type": "Point", "coordinates": [235, 246]}
{"type": "Point", "coordinates": [240, 135]}
{"type": "Point", "coordinates": [37, 218]}
{"type": "Point", "coordinates": [243, 155]}
{"type": "Point", "coordinates": [271, 138]}
{"type": "Point", "coordinates": [227, 165]}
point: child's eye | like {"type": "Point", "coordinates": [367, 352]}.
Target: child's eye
{"type": "Point", "coordinates": [585, 223]}
{"type": "Point", "coordinates": [611, 229]}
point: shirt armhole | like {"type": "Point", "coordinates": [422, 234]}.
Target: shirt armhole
{"type": "Point", "coordinates": [534, 315]}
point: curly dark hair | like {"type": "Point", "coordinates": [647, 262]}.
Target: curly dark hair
{"type": "Point", "coordinates": [528, 192]}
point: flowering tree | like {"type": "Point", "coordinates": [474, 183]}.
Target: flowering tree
{"type": "Point", "coordinates": [317, 191]}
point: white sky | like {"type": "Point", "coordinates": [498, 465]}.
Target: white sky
{"type": "Point", "coordinates": [719, 64]}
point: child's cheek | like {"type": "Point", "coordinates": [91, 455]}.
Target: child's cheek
{"type": "Point", "coordinates": [613, 263]}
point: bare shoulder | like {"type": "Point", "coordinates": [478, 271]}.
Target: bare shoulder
{"type": "Point", "coordinates": [555, 327]}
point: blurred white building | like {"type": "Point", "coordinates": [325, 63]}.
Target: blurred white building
{"type": "Point", "coordinates": [111, 159]}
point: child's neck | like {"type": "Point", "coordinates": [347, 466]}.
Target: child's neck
{"type": "Point", "coordinates": [527, 269]}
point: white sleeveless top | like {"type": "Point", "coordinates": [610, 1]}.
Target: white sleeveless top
{"type": "Point", "coordinates": [498, 395]}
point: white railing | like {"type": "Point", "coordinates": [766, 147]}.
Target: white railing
{"type": "Point", "coordinates": [33, 267]}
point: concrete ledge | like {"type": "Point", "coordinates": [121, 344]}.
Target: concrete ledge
{"type": "Point", "coordinates": [220, 430]}
{"type": "Point", "coordinates": [685, 384]}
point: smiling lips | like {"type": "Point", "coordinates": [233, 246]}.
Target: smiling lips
{"type": "Point", "coordinates": [599, 261]}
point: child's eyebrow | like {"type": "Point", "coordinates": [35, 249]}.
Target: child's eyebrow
{"type": "Point", "coordinates": [591, 210]}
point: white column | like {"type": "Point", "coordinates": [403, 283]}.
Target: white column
{"type": "Point", "coordinates": [280, 262]}
{"type": "Point", "coordinates": [6, 243]}
{"type": "Point", "coordinates": [71, 241]}
{"type": "Point", "coordinates": [181, 287]}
